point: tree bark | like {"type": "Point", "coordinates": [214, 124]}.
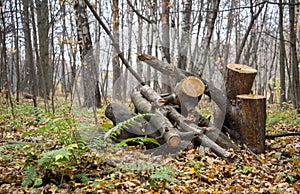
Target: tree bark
{"type": "Point", "coordinates": [44, 72]}
{"type": "Point", "coordinates": [89, 70]}
{"type": "Point", "coordinates": [294, 58]}
{"type": "Point", "coordinates": [185, 35]}
{"type": "Point", "coordinates": [252, 121]}
{"type": "Point", "coordinates": [118, 113]}
{"type": "Point", "coordinates": [158, 120]}
{"type": "Point", "coordinates": [282, 55]}
{"type": "Point", "coordinates": [239, 80]}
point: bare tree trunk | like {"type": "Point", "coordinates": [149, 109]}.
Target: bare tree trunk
{"type": "Point", "coordinates": [252, 22]}
{"type": "Point", "coordinates": [211, 15]}
{"type": "Point", "coordinates": [281, 55]}
{"type": "Point", "coordinates": [165, 25]}
{"type": "Point", "coordinates": [89, 70]}
{"type": "Point", "coordinates": [116, 64]}
{"type": "Point", "coordinates": [30, 69]}
{"type": "Point", "coordinates": [43, 30]}
{"type": "Point", "coordinates": [294, 60]}
{"type": "Point", "coordinates": [3, 53]}
{"type": "Point", "coordinates": [185, 35]}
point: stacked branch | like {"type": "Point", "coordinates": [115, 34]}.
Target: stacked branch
{"type": "Point", "coordinates": [239, 79]}
{"type": "Point", "coordinates": [175, 121]}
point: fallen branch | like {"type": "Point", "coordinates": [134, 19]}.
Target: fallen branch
{"type": "Point", "coordinates": [269, 136]}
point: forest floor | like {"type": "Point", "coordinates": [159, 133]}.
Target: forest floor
{"type": "Point", "coordinates": [39, 154]}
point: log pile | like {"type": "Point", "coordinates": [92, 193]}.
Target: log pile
{"type": "Point", "coordinates": [175, 123]}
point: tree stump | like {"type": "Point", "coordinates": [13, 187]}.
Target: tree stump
{"type": "Point", "coordinates": [252, 111]}
{"type": "Point", "coordinates": [239, 80]}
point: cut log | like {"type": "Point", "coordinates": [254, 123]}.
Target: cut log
{"type": "Point", "coordinates": [152, 96]}
{"type": "Point", "coordinates": [188, 92]}
{"type": "Point", "coordinates": [164, 67]}
{"type": "Point", "coordinates": [158, 120]}
{"type": "Point", "coordinates": [212, 133]}
{"type": "Point", "coordinates": [252, 111]}
{"type": "Point", "coordinates": [117, 113]}
{"type": "Point", "coordinates": [239, 80]}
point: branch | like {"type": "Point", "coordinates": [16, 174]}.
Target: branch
{"type": "Point", "coordinates": [138, 13]}
{"type": "Point", "coordinates": [253, 18]}
{"type": "Point", "coordinates": [114, 43]}
{"type": "Point", "coordinates": [283, 135]}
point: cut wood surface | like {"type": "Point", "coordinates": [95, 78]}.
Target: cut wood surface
{"type": "Point", "coordinates": [188, 92]}
{"type": "Point", "coordinates": [252, 109]}
{"type": "Point", "coordinates": [239, 79]}
{"type": "Point", "coordinates": [192, 86]}
{"type": "Point", "coordinates": [152, 96]}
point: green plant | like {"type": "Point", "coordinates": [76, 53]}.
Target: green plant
{"type": "Point", "coordinates": [51, 125]}
{"type": "Point", "coordinates": [161, 176]}
{"type": "Point", "coordinates": [60, 160]}
{"type": "Point", "coordinates": [30, 177]}
{"type": "Point", "coordinates": [288, 177]}
{"type": "Point", "coordinates": [83, 178]}
{"type": "Point", "coordinates": [139, 140]}
{"type": "Point", "coordinates": [113, 132]}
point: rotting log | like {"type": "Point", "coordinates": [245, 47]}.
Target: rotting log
{"type": "Point", "coordinates": [239, 79]}
{"type": "Point", "coordinates": [158, 120]}
{"type": "Point", "coordinates": [252, 121]}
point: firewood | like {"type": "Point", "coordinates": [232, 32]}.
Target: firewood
{"type": "Point", "coordinates": [158, 120]}
{"type": "Point", "coordinates": [152, 96]}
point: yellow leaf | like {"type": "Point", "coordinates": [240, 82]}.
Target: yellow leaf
{"type": "Point", "coordinates": [58, 157]}
{"type": "Point", "coordinates": [192, 171]}
{"type": "Point", "coordinates": [170, 4]}
{"type": "Point", "coordinates": [3, 91]}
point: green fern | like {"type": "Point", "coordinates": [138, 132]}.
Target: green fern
{"type": "Point", "coordinates": [59, 155]}
{"type": "Point", "coordinates": [83, 178]}
{"type": "Point", "coordinates": [124, 125]}
{"type": "Point", "coordinates": [29, 176]}
{"type": "Point", "coordinates": [139, 140]}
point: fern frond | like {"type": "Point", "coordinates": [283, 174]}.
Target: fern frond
{"type": "Point", "coordinates": [123, 125]}
{"type": "Point", "coordinates": [140, 140]}
{"type": "Point", "coordinates": [55, 155]}
{"type": "Point", "coordinates": [83, 178]}
{"type": "Point", "coordinates": [29, 176]}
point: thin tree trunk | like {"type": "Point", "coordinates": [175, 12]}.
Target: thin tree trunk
{"type": "Point", "coordinates": [294, 58]}
{"type": "Point", "coordinates": [43, 30]}
{"type": "Point", "coordinates": [185, 35]}
{"type": "Point", "coordinates": [116, 64]}
{"type": "Point", "coordinates": [89, 70]}
{"type": "Point", "coordinates": [165, 25]}
{"type": "Point", "coordinates": [281, 55]}
{"type": "Point", "coordinates": [30, 69]}
{"type": "Point", "coordinates": [212, 12]}
{"type": "Point", "coordinates": [252, 22]}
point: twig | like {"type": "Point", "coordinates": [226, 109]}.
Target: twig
{"type": "Point", "coordinates": [282, 135]}
{"type": "Point", "coordinates": [114, 43]}
{"type": "Point", "coordinates": [138, 13]}
{"type": "Point", "coordinates": [252, 153]}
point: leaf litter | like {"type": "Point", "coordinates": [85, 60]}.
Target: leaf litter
{"type": "Point", "coordinates": [129, 170]}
